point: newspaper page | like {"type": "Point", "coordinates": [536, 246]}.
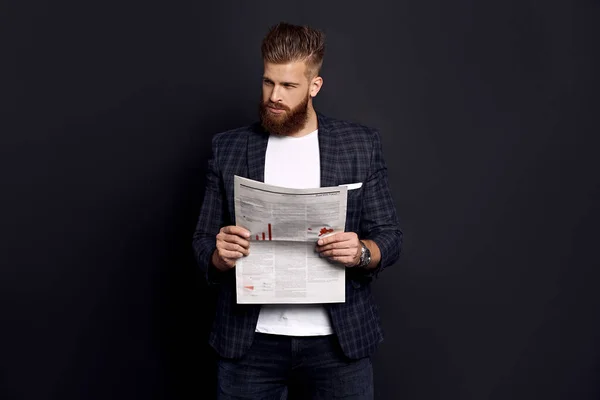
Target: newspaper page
{"type": "Point", "coordinates": [285, 224]}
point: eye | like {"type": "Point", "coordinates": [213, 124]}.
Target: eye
{"type": "Point", "coordinates": [267, 82]}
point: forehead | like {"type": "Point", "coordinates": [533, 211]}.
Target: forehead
{"type": "Point", "coordinates": [293, 71]}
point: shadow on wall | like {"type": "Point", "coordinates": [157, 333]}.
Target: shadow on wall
{"type": "Point", "coordinates": [193, 302]}
{"type": "Point", "coordinates": [140, 328]}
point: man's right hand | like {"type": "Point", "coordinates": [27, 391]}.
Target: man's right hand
{"type": "Point", "coordinates": [232, 243]}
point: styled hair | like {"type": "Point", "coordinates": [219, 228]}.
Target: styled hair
{"type": "Point", "coordinates": [285, 43]}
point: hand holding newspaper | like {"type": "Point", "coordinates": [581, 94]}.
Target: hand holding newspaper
{"type": "Point", "coordinates": [284, 225]}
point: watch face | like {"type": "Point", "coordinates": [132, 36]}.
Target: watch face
{"type": "Point", "coordinates": [365, 255]}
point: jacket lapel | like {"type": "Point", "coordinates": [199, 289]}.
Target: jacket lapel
{"type": "Point", "coordinates": [327, 152]}
{"type": "Point", "coordinates": [257, 149]}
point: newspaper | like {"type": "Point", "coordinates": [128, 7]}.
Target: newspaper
{"type": "Point", "coordinates": [285, 224]}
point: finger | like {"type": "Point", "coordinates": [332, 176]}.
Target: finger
{"type": "Point", "coordinates": [230, 254]}
{"type": "Point", "coordinates": [338, 237]}
{"type": "Point", "coordinates": [349, 245]}
{"type": "Point", "coordinates": [337, 253]}
{"type": "Point", "coordinates": [345, 261]}
{"type": "Point", "coordinates": [228, 238]}
{"type": "Point", "coordinates": [329, 239]}
{"type": "Point", "coordinates": [233, 247]}
{"type": "Point", "coordinates": [236, 230]}
{"type": "Point", "coordinates": [337, 245]}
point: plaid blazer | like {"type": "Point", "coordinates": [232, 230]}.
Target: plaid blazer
{"type": "Point", "coordinates": [349, 153]}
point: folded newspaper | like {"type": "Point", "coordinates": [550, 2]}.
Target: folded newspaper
{"type": "Point", "coordinates": [285, 224]}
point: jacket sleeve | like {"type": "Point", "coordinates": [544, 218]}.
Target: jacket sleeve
{"type": "Point", "coordinates": [210, 219]}
{"type": "Point", "coordinates": [379, 221]}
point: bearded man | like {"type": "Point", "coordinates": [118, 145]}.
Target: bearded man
{"type": "Point", "coordinates": [307, 351]}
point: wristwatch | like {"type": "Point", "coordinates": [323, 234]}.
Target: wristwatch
{"type": "Point", "coordinates": [365, 256]}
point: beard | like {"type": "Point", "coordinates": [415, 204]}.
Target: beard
{"type": "Point", "coordinates": [287, 123]}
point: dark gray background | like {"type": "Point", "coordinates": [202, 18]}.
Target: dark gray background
{"type": "Point", "coordinates": [488, 112]}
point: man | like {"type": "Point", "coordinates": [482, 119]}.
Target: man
{"type": "Point", "coordinates": [305, 351]}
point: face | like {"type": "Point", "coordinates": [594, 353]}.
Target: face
{"type": "Point", "coordinates": [286, 97]}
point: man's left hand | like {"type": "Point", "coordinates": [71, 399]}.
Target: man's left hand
{"type": "Point", "coordinates": [343, 248]}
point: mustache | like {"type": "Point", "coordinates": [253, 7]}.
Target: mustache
{"type": "Point", "coordinates": [275, 105]}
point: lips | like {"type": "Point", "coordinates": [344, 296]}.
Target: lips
{"type": "Point", "coordinates": [276, 110]}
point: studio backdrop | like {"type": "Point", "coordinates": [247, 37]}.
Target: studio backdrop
{"type": "Point", "coordinates": [488, 116]}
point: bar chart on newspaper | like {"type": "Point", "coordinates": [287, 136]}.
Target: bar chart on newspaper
{"type": "Point", "coordinates": [265, 235]}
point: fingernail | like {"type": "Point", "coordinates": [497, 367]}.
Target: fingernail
{"type": "Point", "coordinates": [320, 242]}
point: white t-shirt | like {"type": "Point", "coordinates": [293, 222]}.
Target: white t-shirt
{"type": "Point", "coordinates": [293, 162]}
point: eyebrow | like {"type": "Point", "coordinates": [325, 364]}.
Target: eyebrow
{"type": "Point", "coordinates": [283, 83]}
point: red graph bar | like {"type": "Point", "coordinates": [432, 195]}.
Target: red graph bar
{"type": "Point", "coordinates": [270, 236]}
{"type": "Point", "coordinates": [256, 237]}
{"type": "Point", "coordinates": [263, 236]}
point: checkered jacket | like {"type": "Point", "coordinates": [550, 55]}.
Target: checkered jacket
{"type": "Point", "coordinates": [349, 153]}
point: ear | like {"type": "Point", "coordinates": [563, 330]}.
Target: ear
{"type": "Point", "coordinates": [315, 86]}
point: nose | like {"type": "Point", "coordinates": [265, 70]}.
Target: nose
{"type": "Point", "coordinates": [275, 95]}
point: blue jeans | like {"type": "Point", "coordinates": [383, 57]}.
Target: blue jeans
{"type": "Point", "coordinates": [280, 367]}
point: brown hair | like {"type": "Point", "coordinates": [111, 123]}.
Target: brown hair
{"type": "Point", "coordinates": [285, 43]}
